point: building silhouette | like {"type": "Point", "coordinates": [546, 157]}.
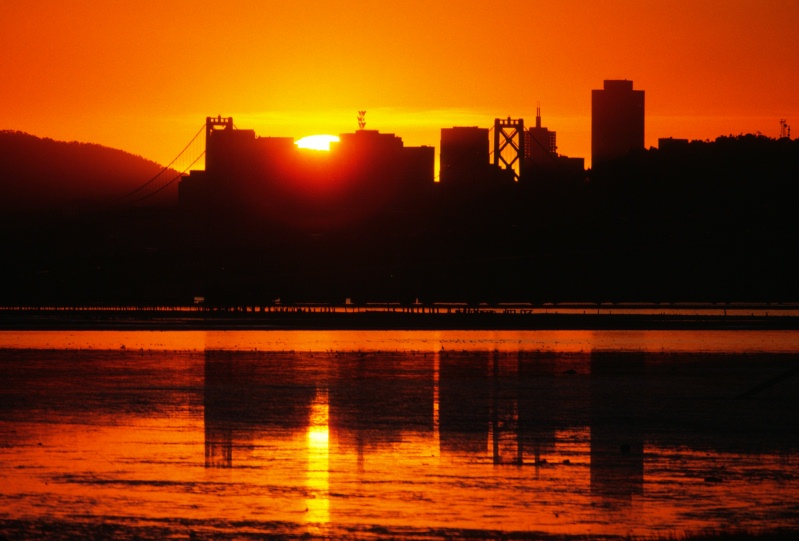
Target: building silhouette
{"type": "Point", "coordinates": [541, 154]}
{"type": "Point", "coordinates": [464, 158]}
{"type": "Point", "coordinates": [670, 143]}
{"type": "Point", "coordinates": [367, 173]}
{"type": "Point", "coordinates": [541, 143]}
{"type": "Point", "coordinates": [381, 169]}
{"type": "Point", "coordinates": [617, 121]}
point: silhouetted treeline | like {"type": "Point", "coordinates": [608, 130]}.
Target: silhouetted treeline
{"type": "Point", "coordinates": [40, 173]}
{"type": "Point", "coordinates": [699, 221]}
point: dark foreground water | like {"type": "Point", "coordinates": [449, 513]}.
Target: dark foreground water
{"type": "Point", "coordinates": [382, 435]}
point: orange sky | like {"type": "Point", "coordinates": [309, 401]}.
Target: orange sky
{"type": "Point", "coordinates": [143, 75]}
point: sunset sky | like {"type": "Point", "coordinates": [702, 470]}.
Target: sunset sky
{"type": "Point", "coordinates": [143, 75]}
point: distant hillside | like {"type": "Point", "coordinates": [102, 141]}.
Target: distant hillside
{"type": "Point", "coordinates": [40, 173]}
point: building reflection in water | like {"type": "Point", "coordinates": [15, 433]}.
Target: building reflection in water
{"type": "Point", "coordinates": [245, 396]}
{"type": "Point", "coordinates": [526, 406]}
{"type": "Point", "coordinates": [507, 408]}
{"type": "Point", "coordinates": [511, 406]}
{"type": "Point", "coordinates": [348, 445]}
{"type": "Point", "coordinates": [617, 425]}
{"type": "Point", "coordinates": [350, 413]}
{"type": "Point", "coordinates": [380, 400]}
{"type": "Point", "coordinates": [464, 407]}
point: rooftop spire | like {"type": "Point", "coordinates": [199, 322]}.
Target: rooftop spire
{"type": "Point", "coordinates": [538, 115]}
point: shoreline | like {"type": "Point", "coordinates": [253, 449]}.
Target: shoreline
{"type": "Point", "coordinates": [187, 319]}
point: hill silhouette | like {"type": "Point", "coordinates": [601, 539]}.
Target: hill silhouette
{"type": "Point", "coordinates": [44, 174]}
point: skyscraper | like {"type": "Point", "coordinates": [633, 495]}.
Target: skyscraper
{"type": "Point", "coordinates": [464, 155]}
{"type": "Point", "coordinates": [540, 145]}
{"type": "Point", "coordinates": [617, 120]}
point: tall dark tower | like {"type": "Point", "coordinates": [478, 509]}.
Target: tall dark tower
{"type": "Point", "coordinates": [464, 155]}
{"type": "Point", "coordinates": [617, 121]}
{"type": "Point", "coordinates": [540, 145]}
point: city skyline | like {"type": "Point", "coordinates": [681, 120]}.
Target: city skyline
{"type": "Point", "coordinates": [138, 78]}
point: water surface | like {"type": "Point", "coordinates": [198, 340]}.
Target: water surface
{"type": "Point", "coordinates": [389, 434]}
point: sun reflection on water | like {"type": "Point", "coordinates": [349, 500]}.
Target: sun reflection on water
{"type": "Point", "coordinates": [318, 477]}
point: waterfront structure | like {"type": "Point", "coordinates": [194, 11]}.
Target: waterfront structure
{"type": "Point", "coordinates": [617, 121]}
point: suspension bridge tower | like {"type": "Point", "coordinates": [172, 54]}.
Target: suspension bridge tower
{"type": "Point", "coordinates": [509, 145]}
{"type": "Point", "coordinates": [212, 125]}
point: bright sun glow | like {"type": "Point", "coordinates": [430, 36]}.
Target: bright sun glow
{"type": "Point", "coordinates": [317, 142]}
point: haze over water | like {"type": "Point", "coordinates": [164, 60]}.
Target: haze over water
{"type": "Point", "coordinates": [386, 434]}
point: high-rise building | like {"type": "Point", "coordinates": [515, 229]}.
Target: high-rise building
{"type": "Point", "coordinates": [381, 171]}
{"type": "Point", "coordinates": [540, 145]}
{"type": "Point", "coordinates": [464, 155]}
{"type": "Point", "coordinates": [542, 161]}
{"type": "Point", "coordinates": [617, 120]}
{"type": "Point", "coordinates": [365, 174]}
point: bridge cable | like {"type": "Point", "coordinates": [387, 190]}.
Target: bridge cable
{"type": "Point", "coordinates": [176, 177]}
{"type": "Point", "coordinates": [165, 168]}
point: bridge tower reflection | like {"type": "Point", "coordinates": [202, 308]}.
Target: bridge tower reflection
{"type": "Point", "coordinates": [493, 407]}
{"type": "Point", "coordinates": [509, 405]}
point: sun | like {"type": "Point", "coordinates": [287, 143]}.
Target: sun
{"type": "Point", "coordinates": [317, 142]}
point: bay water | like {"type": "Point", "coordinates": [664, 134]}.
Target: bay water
{"type": "Point", "coordinates": [396, 434]}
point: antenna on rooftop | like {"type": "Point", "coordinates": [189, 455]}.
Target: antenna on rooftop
{"type": "Point", "coordinates": [538, 115]}
{"type": "Point", "coordinates": [361, 120]}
